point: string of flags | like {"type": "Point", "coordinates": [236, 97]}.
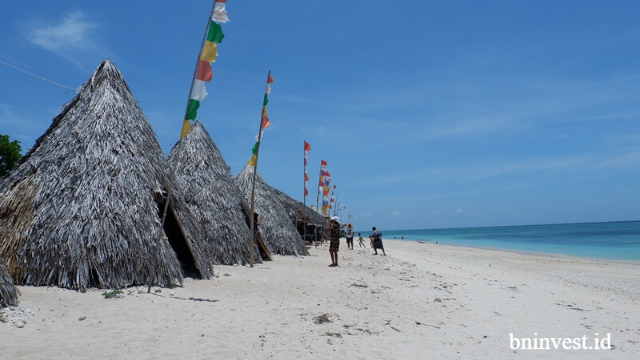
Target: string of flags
{"type": "Point", "coordinates": [264, 123]}
{"type": "Point", "coordinates": [307, 148]}
{"type": "Point", "coordinates": [325, 197]}
{"type": "Point", "coordinates": [208, 54]}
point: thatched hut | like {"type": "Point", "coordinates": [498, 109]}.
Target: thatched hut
{"type": "Point", "coordinates": [212, 196]}
{"type": "Point", "coordinates": [309, 222]}
{"type": "Point", "coordinates": [85, 206]}
{"type": "Point", "coordinates": [8, 292]}
{"type": "Point", "coordinates": [278, 231]}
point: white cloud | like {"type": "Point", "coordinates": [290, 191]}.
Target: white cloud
{"type": "Point", "coordinates": [396, 214]}
{"type": "Point", "coordinates": [459, 211]}
{"type": "Point", "coordinates": [73, 38]}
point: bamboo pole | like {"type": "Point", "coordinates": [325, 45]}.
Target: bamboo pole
{"type": "Point", "coordinates": [304, 191]}
{"type": "Point", "coordinates": [253, 187]}
{"type": "Point", "coordinates": [187, 123]}
{"type": "Point", "coordinates": [319, 178]}
{"type": "Point", "coordinates": [164, 216]}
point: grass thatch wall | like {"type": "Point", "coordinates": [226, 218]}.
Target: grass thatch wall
{"type": "Point", "coordinates": [82, 207]}
{"type": "Point", "coordinates": [8, 292]}
{"type": "Point", "coordinates": [213, 197]}
{"type": "Point", "coordinates": [278, 230]}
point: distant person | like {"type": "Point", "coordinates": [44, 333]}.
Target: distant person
{"type": "Point", "coordinates": [361, 241]}
{"type": "Point", "coordinates": [376, 241]}
{"type": "Point", "coordinates": [349, 235]}
{"type": "Point", "coordinates": [334, 236]}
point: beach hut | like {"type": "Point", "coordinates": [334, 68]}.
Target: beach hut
{"type": "Point", "coordinates": [213, 197]}
{"type": "Point", "coordinates": [303, 216]}
{"type": "Point", "coordinates": [87, 205]}
{"type": "Point", "coordinates": [8, 292]}
{"type": "Point", "coordinates": [278, 231]}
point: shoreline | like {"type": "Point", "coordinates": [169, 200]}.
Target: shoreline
{"type": "Point", "coordinates": [523, 252]}
{"type": "Point", "coordinates": [419, 301]}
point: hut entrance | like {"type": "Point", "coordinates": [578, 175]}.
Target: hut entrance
{"type": "Point", "coordinates": [177, 241]}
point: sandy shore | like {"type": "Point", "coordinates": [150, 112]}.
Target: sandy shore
{"type": "Point", "coordinates": [421, 301]}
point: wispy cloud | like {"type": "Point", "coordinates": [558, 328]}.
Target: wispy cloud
{"type": "Point", "coordinates": [74, 38]}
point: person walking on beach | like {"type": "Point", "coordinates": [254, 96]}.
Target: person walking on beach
{"type": "Point", "coordinates": [349, 235]}
{"type": "Point", "coordinates": [376, 240]}
{"type": "Point", "coordinates": [334, 236]}
{"type": "Point", "coordinates": [361, 241]}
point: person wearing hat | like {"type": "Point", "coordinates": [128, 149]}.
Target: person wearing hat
{"type": "Point", "coordinates": [334, 244]}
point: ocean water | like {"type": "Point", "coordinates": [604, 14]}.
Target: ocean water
{"type": "Point", "coordinates": [604, 240]}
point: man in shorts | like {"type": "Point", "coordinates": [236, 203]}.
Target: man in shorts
{"type": "Point", "coordinates": [349, 235]}
{"type": "Point", "coordinates": [376, 240]}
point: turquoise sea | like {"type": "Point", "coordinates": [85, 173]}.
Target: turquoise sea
{"type": "Point", "coordinates": [603, 240]}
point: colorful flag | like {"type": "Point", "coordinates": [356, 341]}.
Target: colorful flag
{"type": "Point", "coordinates": [264, 123]}
{"type": "Point", "coordinates": [208, 54]}
{"type": "Point", "coordinates": [307, 148]}
{"type": "Point", "coordinates": [198, 91]}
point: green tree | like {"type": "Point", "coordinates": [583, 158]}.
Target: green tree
{"type": "Point", "coordinates": [9, 154]}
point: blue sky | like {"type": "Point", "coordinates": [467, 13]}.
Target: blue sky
{"type": "Point", "coordinates": [430, 114]}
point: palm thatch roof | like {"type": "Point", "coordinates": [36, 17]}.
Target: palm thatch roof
{"type": "Point", "coordinates": [84, 206]}
{"type": "Point", "coordinates": [298, 212]}
{"type": "Point", "coordinates": [278, 231]}
{"type": "Point", "coordinates": [213, 197]}
{"type": "Point", "coordinates": [8, 292]}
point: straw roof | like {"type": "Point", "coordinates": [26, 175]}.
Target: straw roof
{"type": "Point", "coordinates": [8, 292]}
{"type": "Point", "coordinates": [299, 212]}
{"type": "Point", "coordinates": [278, 231]}
{"type": "Point", "coordinates": [84, 206]}
{"type": "Point", "coordinates": [213, 197]}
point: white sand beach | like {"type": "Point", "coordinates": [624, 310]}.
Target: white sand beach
{"type": "Point", "coordinates": [420, 301]}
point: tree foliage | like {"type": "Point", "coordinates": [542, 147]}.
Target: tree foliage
{"type": "Point", "coordinates": [9, 154]}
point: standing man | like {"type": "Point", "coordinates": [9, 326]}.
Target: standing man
{"type": "Point", "coordinates": [349, 235]}
{"type": "Point", "coordinates": [376, 240]}
{"type": "Point", "coordinates": [334, 236]}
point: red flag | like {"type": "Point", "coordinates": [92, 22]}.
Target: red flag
{"type": "Point", "coordinates": [265, 123]}
{"type": "Point", "coordinates": [269, 79]}
{"type": "Point", "coordinates": [204, 72]}
{"type": "Point", "coordinates": [306, 192]}
{"type": "Point", "coordinates": [324, 163]}
{"type": "Point", "coordinates": [306, 177]}
{"type": "Point", "coordinates": [307, 147]}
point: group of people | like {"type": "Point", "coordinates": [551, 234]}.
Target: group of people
{"type": "Point", "coordinates": [335, 234]}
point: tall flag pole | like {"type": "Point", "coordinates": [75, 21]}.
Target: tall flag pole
{"type": "Point", "coordinates": [253, 161]}
{"type": "Point", "coordinates": [307, 148]}
{"type": "Point", "coordinates": [333, 190]}
{"type": "Point", "coordinates": [334, 205]}
{"type": "Point", "coordinates": [208, 52]}
{"type": "Point", "coordinates": [325, 197]}
{"type": "Point", "coordinates": [323, 168]}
